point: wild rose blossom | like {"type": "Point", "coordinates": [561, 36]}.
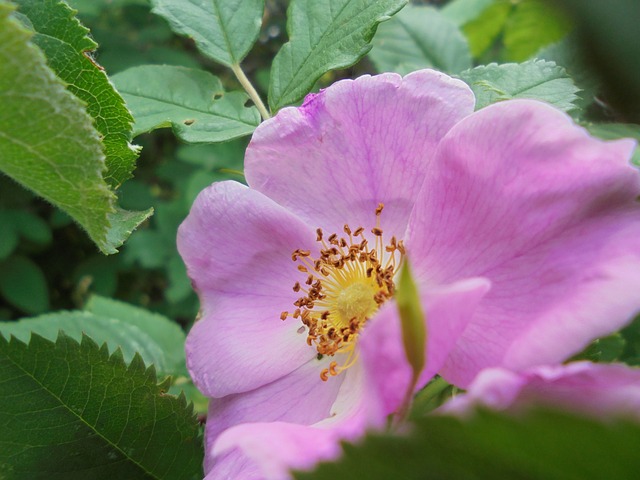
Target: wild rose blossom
{"type": "Point", "coordinates": [521, 230]}
{"type": "Point", "coordinates": [605, 391]}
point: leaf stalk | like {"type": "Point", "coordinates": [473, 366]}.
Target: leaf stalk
{"type": "Point", "coordinates": [251, 91]}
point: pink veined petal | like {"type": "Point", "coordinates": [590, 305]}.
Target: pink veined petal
{"type": "Point", "coordinates": [232, 465]}
{"type": "Point", "coordinates": [603, 390]}
{"type": "Point", "coordinates": [447, 311]}
{"type": "Point", "coordinates": [299, 397]}
{"type": "Point", "coordinates": [275, 448]}
{"type": "Point", "coordinates": [356, 144]}
{"type": "Point", "coordinates": [522, 196]}
{"type": "Point", "coordinates": [237, 246]}
{"type": "Point", "coordinates": [354, 409]}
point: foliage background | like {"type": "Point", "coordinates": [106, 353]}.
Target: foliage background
{"type": "Point", "coordinates": [48, 264]}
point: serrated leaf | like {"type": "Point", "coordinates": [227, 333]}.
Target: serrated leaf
{"type": "Point", "coordinates": [323, 35]}
{"type": "Point", "coordinates": [184, 386]}
{"type": "Point", "coordinates": [164, 332]}
{"type": "Point", "coordinates": [606, 350]}
{"type": "Point", "coordinates": [542, 445]}
{"type": "Point", "coordinates": [537, 80]}
{"type": "Point", "coordinates": [436, 393]}
{"type": "Point", "coordinates": [419, 37]}
{"type": "Point", "coordinates": [631, 336]}
{"type": "Point", "coordinates": [532, 25]}
{"type": "Point", "coordinates": [55, 19]}
{"type": "Point", "coordinates": [123, 223]}
{"type": "Point", "coordinates": [224, 30]}
{"type": "Point", "coordinates": [67, 47]}
{"type": "Point", "coordinates": [192, 102]}
{"type": "Point", "coordinates": [70, 411]}
{"type": "Point", "coordinates": [23, 284]}
{"type": "Point", "coordinates": [48, 143]}
{"type": "Point", "coordinates": [115, 332]}
{"type": "Point", "coordinates": [613, 131]}
{"type": "Point", "coordinates": [567, 54]}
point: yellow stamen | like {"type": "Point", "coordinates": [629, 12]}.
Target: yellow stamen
{"type": "Point", "coordinates": [346, 285]}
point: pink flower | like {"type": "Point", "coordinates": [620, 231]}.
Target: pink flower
{"type": "Point", "coordinates": [521, 229]}
{"type": "Point", "coordinates": [600, 390]}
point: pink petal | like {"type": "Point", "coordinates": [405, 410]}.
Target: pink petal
{"type": "Point", "coordinates": [447, 312]}
{"type": "Point", "coordinates": [300, 397]}
{"type": "Point", "coordinates": [232, 465]}
{"type": "Point", "coordinates": [356, 144]}
{"type": "Point", "coordinates": [522, 196]}
{"type": "Point", "coordinates": [237, 246]}
{"type": "Point", "coordinates": [596, 389]}
{"type": "Point", "coordinates": [276, 447]}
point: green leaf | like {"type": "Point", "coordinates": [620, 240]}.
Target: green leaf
{"type": "Point", "coordinates": [23, 284]}
{"type": "Point", "coordinates": [412, 319]}
{"type": "Point", "coordinates": [437, 392]}
{"type": "Point", "coordinates": [613, 131]}
{"type": "Point", "coordinates": [67, 47]}
{"type": "Point", "coordinates": [8, 234]}
{"type": "Point", "coordinates": [150, 248]}
{"type": "Point", "coordinates": [606, 350]}
{"type": "Point", "coordinates": [71, 411]}
{"type": "Point", "coordinates": [610, 38]}
{"type": "Point", "coordinates": [102, 329]}
{"type": "Point", "coordinates": [166, 333]}
{"type": "Point", "coordinates": [323, 35]}
{"type": "Point", "coordinates": [31, 227]}
{"type": "Point", "coordinates": [179, 283]}
{"type": "Point", "coordinates": [99, 274]}
{"type": "Point", "coordinates": [419, 37]}
{"type": "Point", "coordinates": [461, 12]}
{"type": "Point", "coordinates": [183, 385]}
{"type": "Point", "coordinates": [631, 336]}
{"type": "Point", "coordinates": [198, 182]}
{"type": "Point", "coordinates": [94, 7]}
{"type": "Point", "coordinates": [533, 25]}
{"type": "Point", "coordinates": [214, 157]}
{"type": "Point", "coordinates": [192, 102]}
{"type": "Point", "coordinates": [54, 18]}
{"type": "Point", "coordinates": [538, 80]}
{"type": "Point", "coordinates": [484, 30]}
{"type": "Point", "coordinates": [123, 223]}
{"type": "Point", "coordinates": [567, 54]}
{"type": "Point", "coordinates": [48, 143]}
{"type": "Point", "coordinates": [541, 445]}
{"type": "Point", "coordinates": [224, 30]}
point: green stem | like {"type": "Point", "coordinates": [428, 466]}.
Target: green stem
{"type": "Point", "coordinates": [430, 397]}
{"type": "Point", "coordinates": [246, 84]}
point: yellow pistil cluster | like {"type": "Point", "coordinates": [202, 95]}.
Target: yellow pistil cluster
{"type": "Point", "coordinates": [343, 288]}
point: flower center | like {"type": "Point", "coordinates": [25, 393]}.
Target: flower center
{"type": "Point", "coordinates": [343, 288]}
{"type": "Point", "coordinates": [356, 301]}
